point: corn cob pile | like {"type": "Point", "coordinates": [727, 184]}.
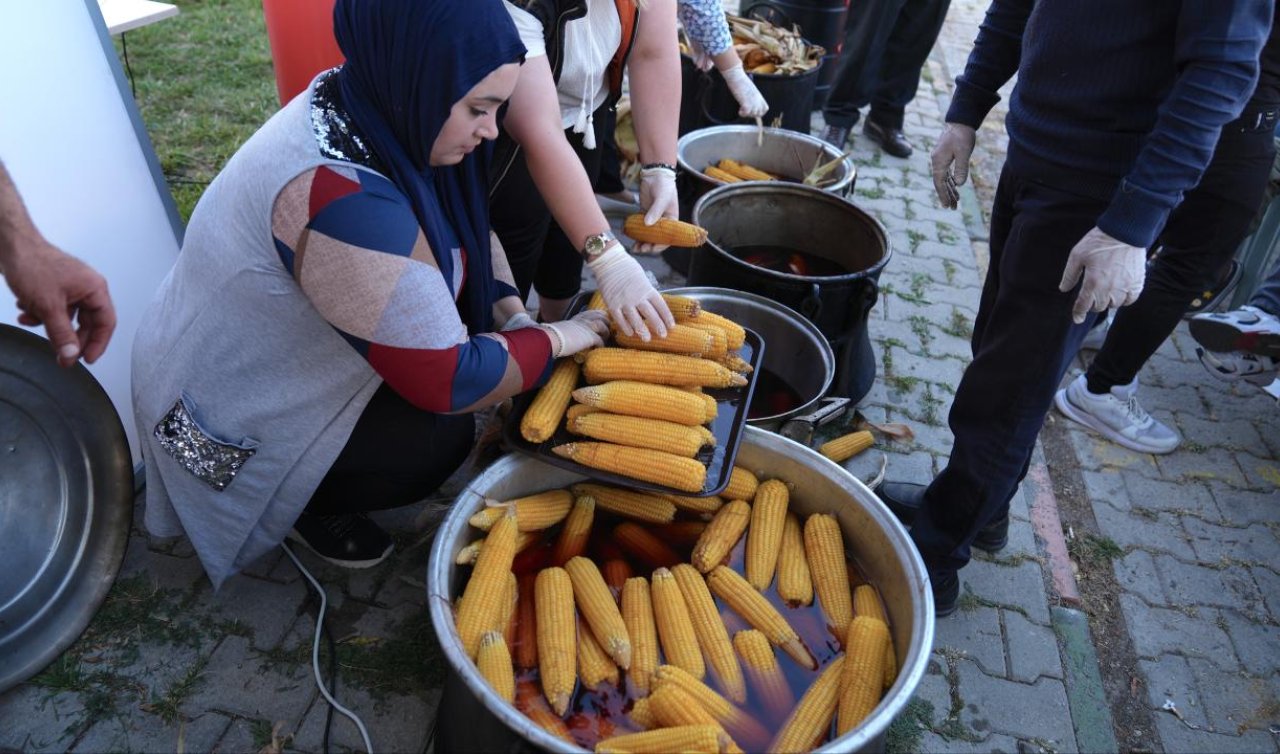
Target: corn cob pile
{"type": "Point", "coordinates": [732, 171]}
{"type": "Point", "coordinates": [642, 408]}
{"type": "Point", "coordinates": [769, 49]}
{"type": "Point", "coordinates": [632, 624]}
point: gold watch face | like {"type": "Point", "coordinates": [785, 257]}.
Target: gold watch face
{"type": "Point", "coordinates": [596, 245]}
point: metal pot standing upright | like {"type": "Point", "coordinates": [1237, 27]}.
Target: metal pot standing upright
{"type": "Point", "coordinates": [815, 223]}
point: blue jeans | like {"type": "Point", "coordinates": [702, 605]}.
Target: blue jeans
{"type": "Point", "coordinates": [1267, 297]}
{"type": "Point", "coordinates": [1022, 339]}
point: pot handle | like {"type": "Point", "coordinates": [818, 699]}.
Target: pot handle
{"type": "Point", "coordinates": [771, 14]}
{"type": "Point", "coordinates": [811, 306]}
{"type": "Point", "coordinates": [870, 293]}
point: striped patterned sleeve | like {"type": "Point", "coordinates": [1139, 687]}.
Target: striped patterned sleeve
{"type": "Point", "coordinates": [352, 243]}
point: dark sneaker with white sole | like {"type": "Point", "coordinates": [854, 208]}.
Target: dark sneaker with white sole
{"type": "Point", "coordinates": [350, 540]}
{"type": "Point", "coordinates": [1247, 329]}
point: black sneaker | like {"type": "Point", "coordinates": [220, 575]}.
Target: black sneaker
{"type": "Point", "coordinates": [903, 499]}
{"type": "Point", "coordinates": [946, 592]}
{"type": "Point", "coordinates": [350, 540]}
{"type": "Point", "coordinates": [836, 136]}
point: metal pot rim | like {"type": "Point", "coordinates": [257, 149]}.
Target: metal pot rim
{"type": "Point", "coordinates": [851, 168]}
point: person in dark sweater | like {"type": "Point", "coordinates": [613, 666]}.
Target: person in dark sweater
{"type": "Point", "coordinates": [1201, 237]}
{"type": "Point", "coordinates": [1114, 116]}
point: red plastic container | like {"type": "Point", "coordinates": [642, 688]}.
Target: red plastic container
{"type": "Point", "coordinates": [302, 42]}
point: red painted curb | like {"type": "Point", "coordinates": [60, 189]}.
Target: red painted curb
{"type": "Point", "coordinates": [1048, 526]}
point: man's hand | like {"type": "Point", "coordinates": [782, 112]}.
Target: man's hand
{"type": "Point", "coordinates": [53, 289]}
{"type": "Point", "coordinates": [634, 303]}
{"type": "Point", "coordinates": [658, 199]}
{"type": "Point", "coordinates": [950, 161]}
{"type": "Point", "coordinates": [1113, 273]}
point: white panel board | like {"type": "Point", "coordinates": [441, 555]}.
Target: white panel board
{"type": "Point", "coordinates": [71, 139]}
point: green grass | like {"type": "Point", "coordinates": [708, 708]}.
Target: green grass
{"type": "Point", "coordinates": [904, 733]}
{"type": "Point", "coordinates": [204, 84]}
{"type": "Point", "coordinates": [1094, 550]}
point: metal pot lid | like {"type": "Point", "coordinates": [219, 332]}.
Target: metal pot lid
{"type": "Point", "coordinates": [66, 502]}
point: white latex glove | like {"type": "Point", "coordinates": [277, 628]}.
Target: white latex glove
{"type": "Point", "coordinates": [518, 321]}
{"type": "Point", "coordinates": [584, 330]}
{"type": "Point", "coordinates": [658, 199]}
{"type": "Point", "coordinates": [632, 299]}
{"type": "Point", "coordinates": [1113, 273]}
{"type": "Point", "coordinates": [700, 57]}
{"type": "Point", "coordinates": [751, 103]}
{"type": "Point", "coordinates": [950, 161]}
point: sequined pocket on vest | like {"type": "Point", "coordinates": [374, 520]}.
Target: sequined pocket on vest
{"type": "Point", "coordinates": [209, 459]}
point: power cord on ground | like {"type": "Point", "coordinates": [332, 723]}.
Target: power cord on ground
{"type": "Point", "coordinates": [315, 652]}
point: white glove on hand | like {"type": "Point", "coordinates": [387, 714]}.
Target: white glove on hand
{"type": "Point", "coordinates": [631, 298]}
{"type": "Point", "coordinates": [585, 330]}
{"type": "Point", "coordinates": [950, 161]}
{"type": "Point", "coordinates": [658, 199]}
{"type": "Point", "coordinates": [518, 321]}
{"type": "Point", "coordinates": [700, 57]}
{"type": "Point", "coordinates": [1113, 273]}
{"type": "Point", "coordinates": [751, 103]}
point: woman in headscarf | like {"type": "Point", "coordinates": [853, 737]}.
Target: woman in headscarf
{"type": "Point", "coordinates": [339, 306]}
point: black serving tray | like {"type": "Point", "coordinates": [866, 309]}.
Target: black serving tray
{"type": "Point", "coordinates": [727, 427]}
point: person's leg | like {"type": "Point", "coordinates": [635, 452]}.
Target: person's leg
{"type": "Point", "coordinates": [905, 54]}
{"type": "Point", "coordinates": [1021, 333]}
{"type": "Point", "coordinates": [866, 34]}
{"type": "Point", "coordinates": [520, 218]}
{"type": "Point", "coordinates": [1267, 295]}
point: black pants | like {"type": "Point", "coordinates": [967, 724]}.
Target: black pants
{"type": "Point", "coordinates": [1202, 235]}
{"type": "Point", "coordinates": [540, 254]}
{"type": "Point", "coordinates": [397, 454]}
{"type": "Point", "coordinates": [886, 43]}
{"type": "Point", "coordinates": [1021, 339]}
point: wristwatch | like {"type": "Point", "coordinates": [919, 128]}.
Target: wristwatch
{"type": "Point", "coordinates": [596, 244]}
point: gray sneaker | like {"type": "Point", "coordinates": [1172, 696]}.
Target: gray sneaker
{"type": "Point", "coordinates": [1116, 416]}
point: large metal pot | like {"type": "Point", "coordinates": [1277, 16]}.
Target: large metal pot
{"type": "Point", "coordinates": [473, 718]}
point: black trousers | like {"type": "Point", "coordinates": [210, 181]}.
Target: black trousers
{"type": "Point", "coordinates": [540, 255]}
{"type": "Point", "coordinates": [1202, 235]}
{"type": "Point", "coordinates": [886, 43]}
{"type": "Point", "coordinates": [1021, 338]}
{"type": "Point", "coordinates": [397, 455]}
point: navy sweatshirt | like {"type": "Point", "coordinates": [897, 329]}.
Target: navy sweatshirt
{"type": "Point", "coordinates": [1121, 100]}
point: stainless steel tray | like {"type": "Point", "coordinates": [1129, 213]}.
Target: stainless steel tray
{"type": "Point", "coordinates": [66, 500]}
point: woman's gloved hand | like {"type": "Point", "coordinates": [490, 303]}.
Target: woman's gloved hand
{"type": "Point", "coordinates": [658, 199]}
{"type": "Point", "coordinates": [518, 321]}
{"type": "Point", "coordinates": [1113, 273]}
{"type": "Point", "coordinates": [634, 303]}
{"type": "Point", "coordinates": [584, 330]}
{"type": "Point", "coordinates": [751, 103]}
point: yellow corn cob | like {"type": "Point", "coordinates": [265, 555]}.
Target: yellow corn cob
{"type": "Point", "coordinates": [507, 619]}
{"type": "Point", "coordinates": [482, 600]}
{"type": "Point", "coordinates": [708, 438]}
{"type": "Point", "coordinates": [866, 602]}
{"type": "Point", "coordinates": [711, 633]}
{"type": "Point", "coordinates": [543, 415]}
{"type": "Point", "coordinates": [534, 707]}
{"type": "Point", "coordinates": [704, 507]}
{"type": "Point", "coordinates": [643, 546]}
{"type": "Point", "coordinates": [686, 738]}
{"type": "Point", "coordinates": [525, 646]}
{"type": "Point", "coordinates": [628, 504]}
{"type": "Point", "coordinates": [744, 171]}
{"type": "Point", "coordinates": [471, 551]}
{"type": "Point", "coordinates": [592, 597]}
{"type": "Point", "coordinates": [596, 301]}
{"type": "Point", "coordinates": [747, 602]}
{"type": "Point", "coordinates": [719, 341]}
{"type": "Point", "coordinates": [680, 439]}
{"type": "Point", "coordinates": [646, 400]}
{"type": "Point", "coordinates": [737, 722]}
{"type": "Point", "coordinates": [824, 549]}
{"type": "Point", "coordinates": [576, 530]}
{"type": "Point", "coordinates": [862, 680]}
{"type": "Point", "coordinates": [557, 642]}
{"type": "Point", "coordinates": [641, 715]}
{"type": "Point", "coordinates": [679, 339]}
{"type": "Point", "coordinates": [675, 627]}
{"type": "Point", "coordinates": [672, 707]}
{"type": "Point", "coordinates": [594, 666]}
{"type": "Point", "coordinates": [714, 172]}
{"type": "Point", "coordinates": [665, 231]}
{"type": "Point", "coordinates": [682, 307]}
{"type": "Point", "coordinates": [809, 722]}
{"type": "Point", "coordinates": [606, 364]}
{"type": "Point", "coordinates": [494, 663]}
{"type": "Point", "coordinates": [742, 485]}
{"type": "Point", "coordinates": [683, 533]}
{"type": "Point", "coordinates": [666, 469]}
{"type": "Point", "coordinates": [579, 409]}
{"type": "Point", "coordinates": [735, 363]}
{"type": "Point", "coordinates": [711, 406]}
{"type": "Point", "coordinates": [721, 535]}
{"type": "Point", "coordinates": [764, 538]}
{"type": "Point", "coordinates": [637, 613]}
{"type": "Point", "coordinates": [615, 573]}
{"type": "Point", "coordinates": [846, 446]}
{"type": "Point", "coordinates": [733, 331]}
{"type": "Point", "coordinates": [794, 583]}
{"type": "Point", "coordinates": [533, 513]}
{"type": "Point", "coordinates": [763, 670]}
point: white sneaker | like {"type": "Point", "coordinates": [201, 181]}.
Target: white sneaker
{"type": "Point", "coordinates": [1233, 366]}
{"type": "Point", "coordinates": [1117, 416]}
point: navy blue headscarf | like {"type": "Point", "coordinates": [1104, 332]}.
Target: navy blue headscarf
{"type": "Point", "coordinates": [408, 62]}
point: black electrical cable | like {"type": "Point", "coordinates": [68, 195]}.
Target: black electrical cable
{"type": "Point", "coordinates": [124, 46]}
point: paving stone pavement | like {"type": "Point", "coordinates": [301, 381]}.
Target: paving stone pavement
{"type": "Point", "coordinates": [169, 664]}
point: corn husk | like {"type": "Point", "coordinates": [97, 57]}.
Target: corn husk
{"type": "Point", "coordinates": [769, 49]}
